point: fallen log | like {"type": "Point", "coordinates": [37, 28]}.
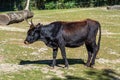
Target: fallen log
{"type": "Point", "coordinates": [15, 17]}
{"type": "Point", "coordinates": [115, 7]}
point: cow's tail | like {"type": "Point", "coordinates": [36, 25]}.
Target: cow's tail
{"type": "Point", "coordinates": [99, 37]}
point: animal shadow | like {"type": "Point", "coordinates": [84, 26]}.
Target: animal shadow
{"type": "Point", "coordinates": [49, 62]}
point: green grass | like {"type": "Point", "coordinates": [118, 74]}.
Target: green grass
{"type": "Point", "coordinates": [15, 52]}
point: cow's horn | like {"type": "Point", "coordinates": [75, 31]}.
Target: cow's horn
{"type": "Point", "coordinates": [28, 22]}
{"type": "Point", "coordinates": [32, 25]}
{"type": "Point", "coordinates": [32, 22]}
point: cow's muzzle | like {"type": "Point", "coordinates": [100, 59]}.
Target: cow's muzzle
{"type": "Point", "coordinates": [26, 42]}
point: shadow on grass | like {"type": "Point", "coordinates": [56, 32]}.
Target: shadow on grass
{"type": "Point", "coordinates": [105, 74]}
{"type": "Point", "coordinates": [89, 73]}
{"type": "Point", "coordinates": [69, 78]}
{"type": "Point", "coordinates": [48, 62]}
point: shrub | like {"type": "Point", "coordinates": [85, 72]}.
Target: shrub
{"type": "Point", "coordinates": [50, 5]}
{"type": "Point", "coordinates": [70, 4]}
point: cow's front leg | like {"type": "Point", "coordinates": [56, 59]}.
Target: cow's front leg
{"type": "Point", "coordinates": [55, 50]}
{"type": "Point", "coordinates": [63, 52]}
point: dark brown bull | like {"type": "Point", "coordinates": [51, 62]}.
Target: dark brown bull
{"type": "Point", "coordinates": [61, 34]}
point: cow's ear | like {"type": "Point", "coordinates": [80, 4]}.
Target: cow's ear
{"type": "Point", "coordinates": [39, 23]}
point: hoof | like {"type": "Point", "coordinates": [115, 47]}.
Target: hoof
{"type": "Point", "coordinates": [90, 66]}
{"type": "Point", "coordinates": [87, 65]}
{"type": "Point", "coordinates": [66, 66]}
{"type": "Point", "coordinates": [52, 66]}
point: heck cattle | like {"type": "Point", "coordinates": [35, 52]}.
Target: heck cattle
{"type": "Point", "coordinates": [61, 34]}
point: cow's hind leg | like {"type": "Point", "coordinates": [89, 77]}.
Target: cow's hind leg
{"type": "Point", "coordinates": [95, 51]}
{"type": "Point", "coordinates": [92, 49]}
{"type": "Point", "coordinates": [89, 50]}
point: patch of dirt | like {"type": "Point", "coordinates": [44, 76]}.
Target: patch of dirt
{"type": "Point", "coordinates": [106, 32]}
{"type": "Point", "coordinates": [30, 47]}
{"type": "Point", "coordinates": [48, 77]}
{"type": "Point", "coordinates": [1, 50]}
{"type": "Point", "coordinates": [40, 51]}
{"type": "Point", "coordinates": [6, 28]}
{"type": "Point", "coordinates": [3, 42]}
{"type": "Point", "coordinates": [1, 58]}
{"type": "Point", "coordinates": [8, 68]}
{"type": "Point", "coordinates": [56, 71]}
{"type": "Point", "coordinates": [111, 51]}
{"type": "Point", "coordinates": [112, 23]}
{"type": "Point", "coordinates": [107, 61]}
{"type": "Point", "coordinates": [12, 41]}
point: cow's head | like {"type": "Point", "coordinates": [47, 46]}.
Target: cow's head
{"type": "Point", "coordinates": [33, 33]}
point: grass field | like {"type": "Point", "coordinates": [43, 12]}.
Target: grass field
{"type": "Point", "coordinates": [31, 62]}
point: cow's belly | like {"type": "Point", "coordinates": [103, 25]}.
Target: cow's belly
{"type": "Point", "coordinates": [75, 40]}
{"type": "Point", "coordinates": [74, 44]}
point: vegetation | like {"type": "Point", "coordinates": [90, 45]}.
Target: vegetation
{"type": "Point", "coordinates": [31, 62]}
{"type": "Point", "coordinates": [54, 4]}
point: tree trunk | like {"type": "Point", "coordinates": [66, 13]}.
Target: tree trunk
{"type": "Point", "coordinates": [15, 17]}
{"type": "Point", "coordinates": [27, 5]}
